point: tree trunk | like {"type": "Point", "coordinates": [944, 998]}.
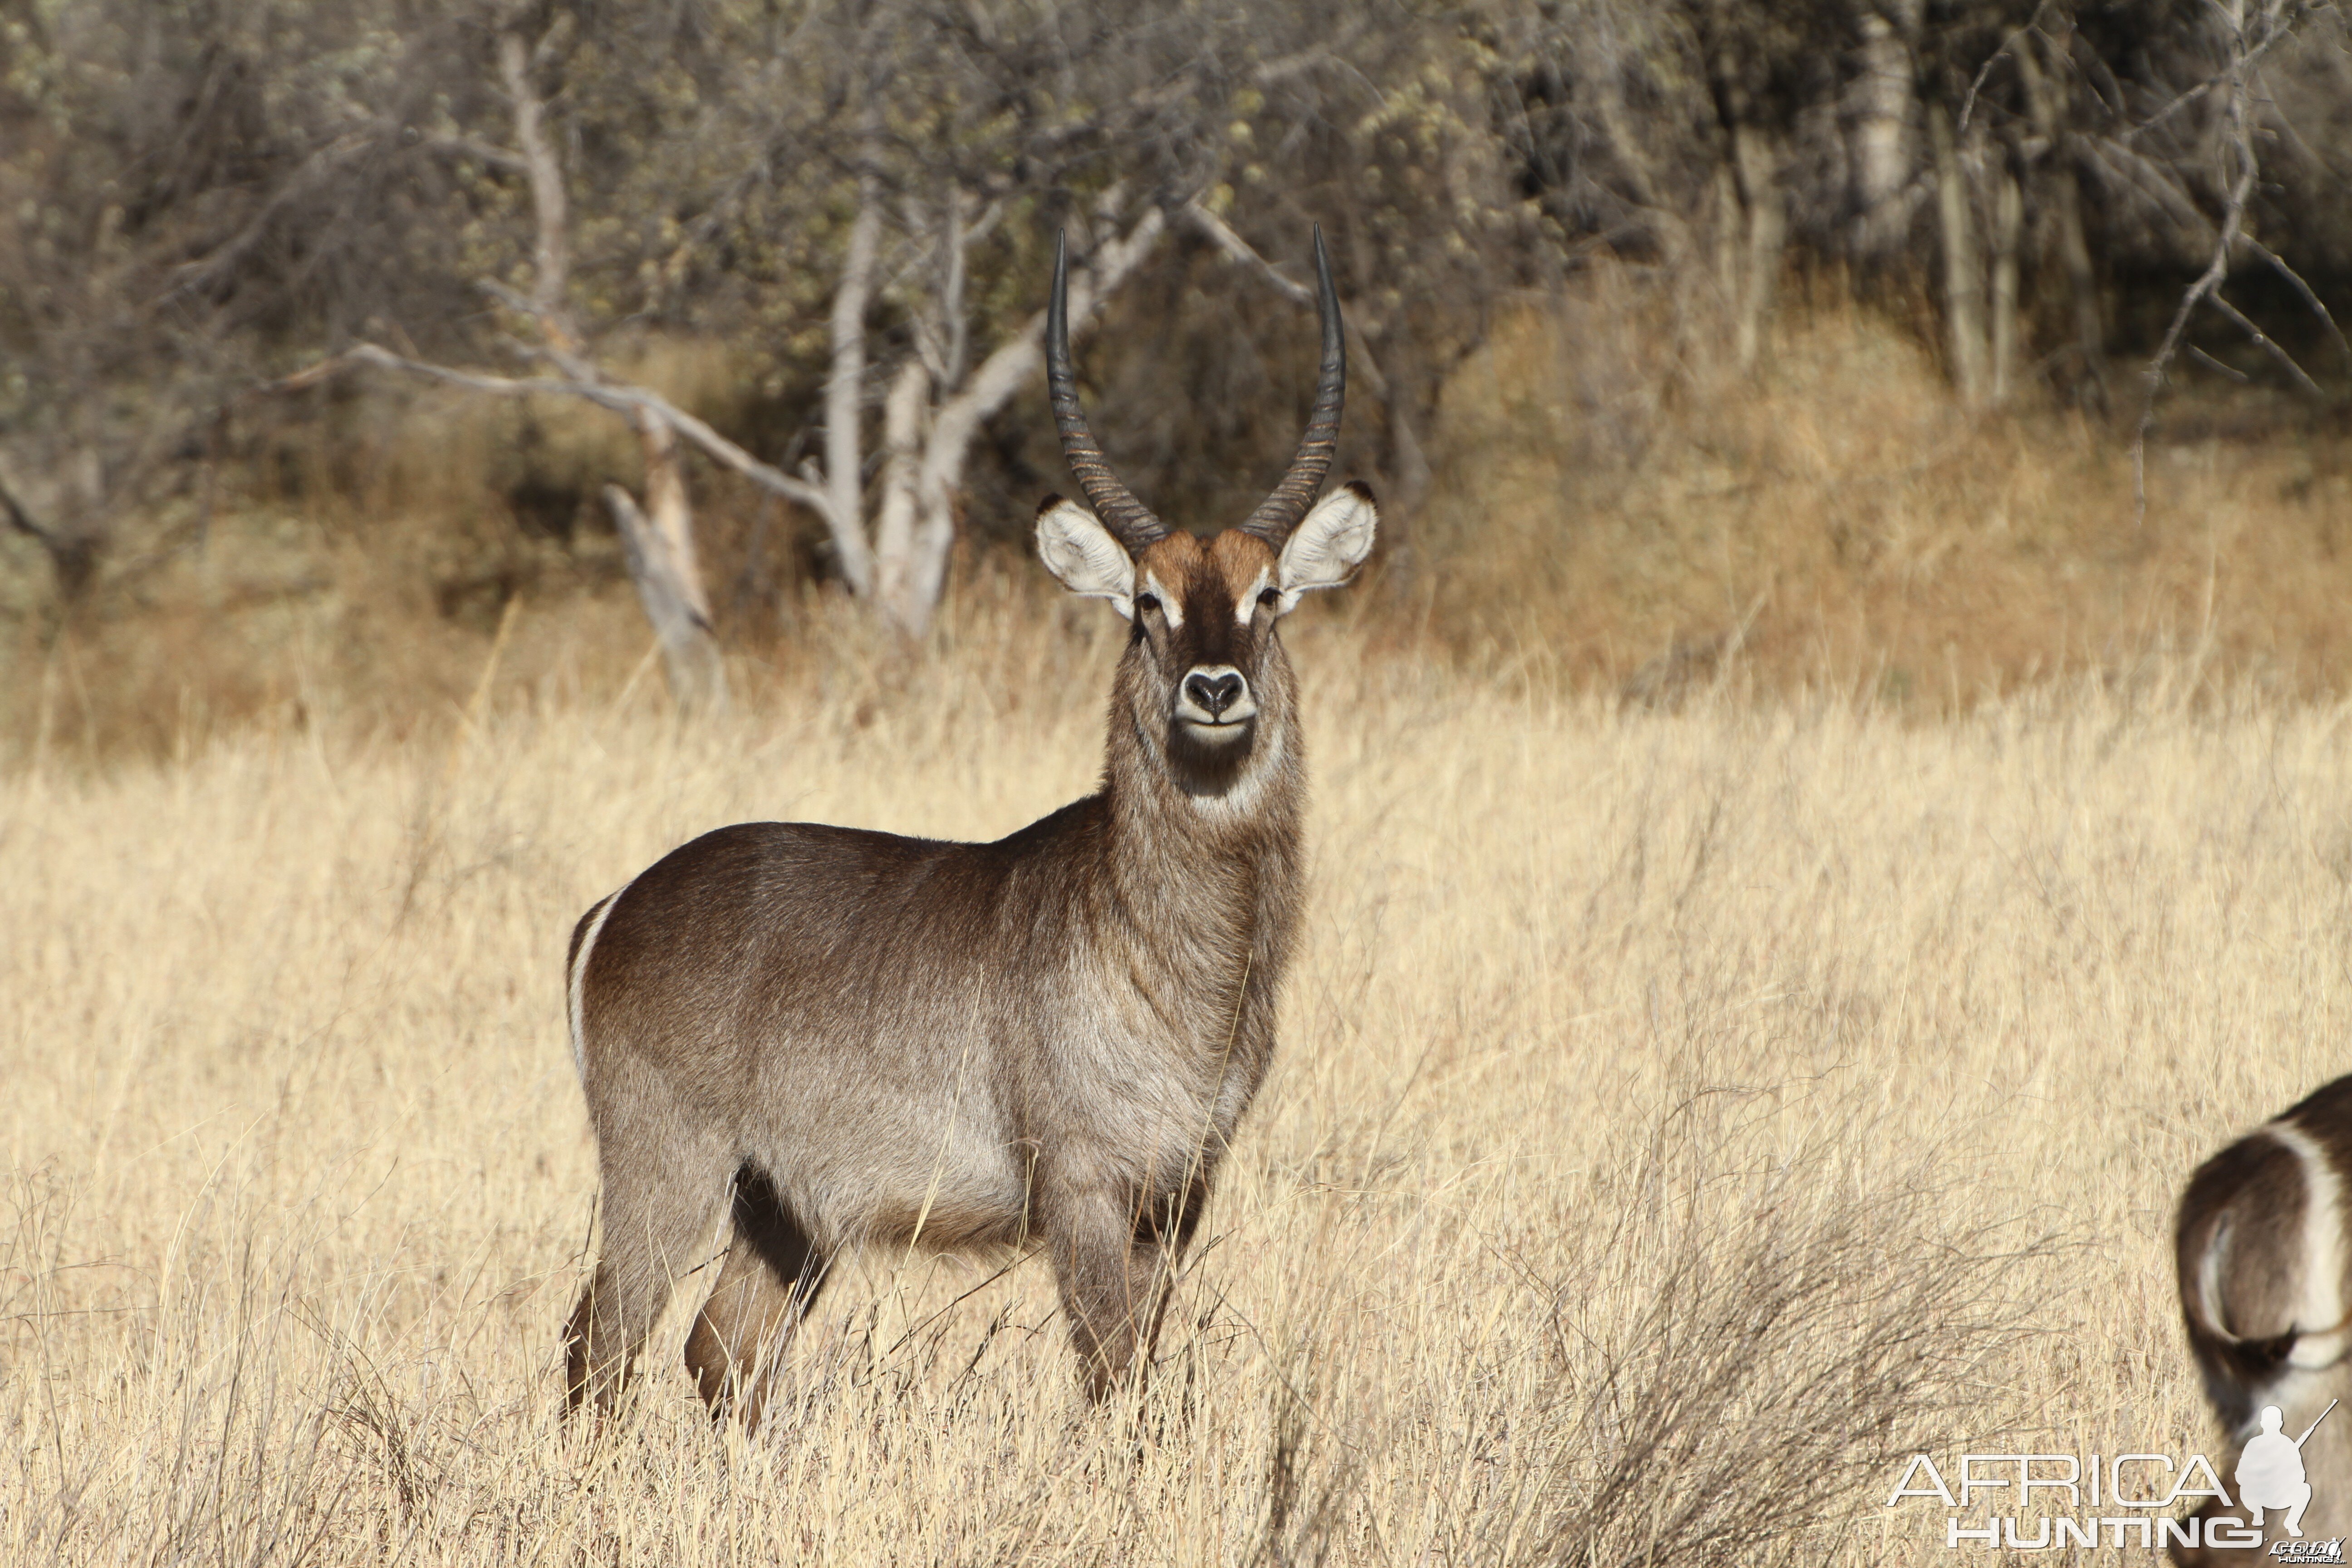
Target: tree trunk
{"type": "Point", "coordinates": [917, 544]}
{"type": "Point", "coordinates": [1963, 271]}
{"type": "Point", "coordinates": [659, 539]}
{"type": "Point", "coordinates": [1757, 162]}
{"type": "Point", "coordinates": [845, 392]}
{"type": "Point", "coordinates": [73, 554]}
{"type": "Point", "coordinates": [2009, 219]}
{"type": "Point", "coordinates": [550, 264]}
{"type": "Point", "coordinates": [1730, 221]}
{"type": "Point", "coordinates": [2082, 282]}
{"type": "Point", "coordinates": [1881, 150]}
{"type": "Point", "coordinates": [1409, 476]}
{"type": "Point", "coordinates": [2045, 103]}
{"type": "Point", "coordinates": [895, 572]}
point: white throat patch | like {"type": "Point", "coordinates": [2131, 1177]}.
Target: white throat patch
{"type": "Point", "coordinates": [1247, 793]}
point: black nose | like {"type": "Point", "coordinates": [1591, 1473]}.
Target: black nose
{"type": "Point", "coordinates": [1214, 693]}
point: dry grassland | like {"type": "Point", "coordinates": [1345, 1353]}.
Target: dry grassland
{"type": "Point", "coordinates": [1681, 1116]}
{"type": "Point", "coordinates": [1618, 504]}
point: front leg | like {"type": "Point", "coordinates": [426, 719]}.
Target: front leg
{"type": "Point", "coordinates": [1114, 1256]}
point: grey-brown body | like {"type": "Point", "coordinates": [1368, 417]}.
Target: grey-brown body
{"type": "Point", "coordinates": [2263, 1260]}
{"type": "Point", "coordinates": [857, 1038]}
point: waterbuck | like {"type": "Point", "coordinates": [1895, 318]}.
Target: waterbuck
{"type": "Point", "coordinates": [1047, 1041]}
{"type": "Point", "coordinates": [2264, 1262]}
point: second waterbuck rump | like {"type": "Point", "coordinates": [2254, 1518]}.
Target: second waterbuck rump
{"type": "Point", "coordinates": [2262, 1247]}
{"type": "Point", "coordinates": [849, 1037]}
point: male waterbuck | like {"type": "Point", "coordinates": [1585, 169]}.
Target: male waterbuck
{"type": "Point", "coordinates": [2264, 1251]}
{"type": "Point", "coordinates": [853, 1038]}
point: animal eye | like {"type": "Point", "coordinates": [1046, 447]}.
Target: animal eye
{"type": "Point", "coordinates": [1147, 600]}
{"type": "Point", "coordinates": [1269, 598]}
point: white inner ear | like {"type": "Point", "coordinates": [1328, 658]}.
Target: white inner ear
{"type": "Point", "coordinates": [1079, 550]}
{"type": "Point", "coordinates": [1329, 545]}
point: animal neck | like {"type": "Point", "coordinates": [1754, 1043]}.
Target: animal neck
{"type": "Point", "coordinates": [1217, 878]}
{"type": "Point", "coordinates": [1163, 820]}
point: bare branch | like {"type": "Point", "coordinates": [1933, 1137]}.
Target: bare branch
{"type": "Point", "coordinates": [1022, 358]}
{"type": "Point", "coordinates": [895, 563]}
{"type": "Point", "coordinates": [2242, 61]}
{"type": "Point", "coordinates": [479, 151]}
{"type": "Point", "coordinates": [2208, 283]}
{"type": "Point", "coordinates": [21, 520]}
{"type": "Point", "coordinates": [2264, 341]}
{"type": "Point", "coordinates": [2294, 278]}
{"type": "Point", "coordinates": [2135, 172]}
{"type": "Point", "coordinates": [1968, 98]}
{"type": "Point", "coordinates": [1218, 232]}
{"type": "Point", "coordinates": [197, 276]}
{"type": "Point", "coordinates": [2201, 357]}
{"type": "Point", "coordinates": [958, 345]}
{"type": "Point", "coordinates": [912, 553]}
{"type": "Point", "coordinates": [1365, 365]}
{"type": "Point", "coordinates": [619, 398]}
{"type": "Point", "coordinates": [551, 259]}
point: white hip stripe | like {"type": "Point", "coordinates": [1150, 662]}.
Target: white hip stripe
{"type": "Point", "coordinates": [575, 981]}
{"type": "Point", "coordinates": [2319, 1315]}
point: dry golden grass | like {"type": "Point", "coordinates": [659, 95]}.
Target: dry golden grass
{"type": "Point", "coordinates": [1617, 503]}
{"type": "Point", "coordinates": [1680, 1117]}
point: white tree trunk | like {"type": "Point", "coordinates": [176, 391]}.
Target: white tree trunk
{"type": "Point", "coordinates": [1963, 269]}
{"type": "Point", "coordinates": [1730, 222]}
{"type": "Point", "coordinates": [1882, 137]}
{"type": "Point", "coordinates": [913, 594]}
{"type": "Point", "coordinates": [895, 566]}
{"type": "Point", "coordinates": [659, 539]}
{"type": "Point", "coordinates": [1757, 162]}
{"type": "Point", "coordinates": [845, 391]}
{"type": "Point", "coordinates": [550, 261]}
{"type": "Point", "coordinates": [2007, 221]}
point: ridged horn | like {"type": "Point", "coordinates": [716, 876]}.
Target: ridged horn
{"type": "Point", "coordinates": [1280, 512]}
{"type": "Point", "coordinates": [1128, 520]}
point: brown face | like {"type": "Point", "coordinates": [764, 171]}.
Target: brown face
{"type": "Point", "coordinates": [1204, 669]}
{"type": "Point", "coordinates": [1205, 684]}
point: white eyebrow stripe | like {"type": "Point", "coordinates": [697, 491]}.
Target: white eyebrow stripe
{"type": "Point", "coordinates": [1168, 605]}
{"type": "Point", "coordinates": [1247, 604]}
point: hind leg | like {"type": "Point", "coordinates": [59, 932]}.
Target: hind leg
{"type": "Point", "coordinates": [661, 1194]}
{"type": "Point", "coordinates": [771, 1274]}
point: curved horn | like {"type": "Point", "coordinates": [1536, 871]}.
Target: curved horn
{"type": "Point", "coordinates": [1280, 512]}
{"type": "Point", "coordinates": [1128, 519]}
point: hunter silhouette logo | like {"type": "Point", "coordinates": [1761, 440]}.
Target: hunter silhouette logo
{"type": "Point", "coordinates": [2270, 1472]}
